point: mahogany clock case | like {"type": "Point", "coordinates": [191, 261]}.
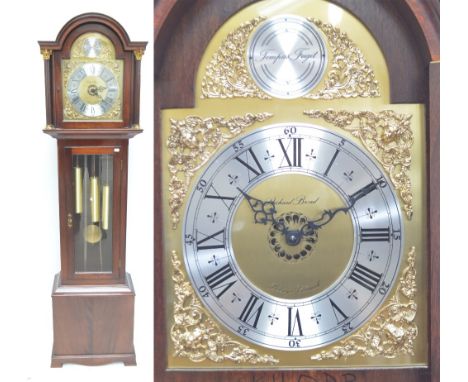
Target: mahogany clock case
{"type": "Point", "coordinates": [408, 33]}
{"type": "Point", "coordinates": [93, 295]}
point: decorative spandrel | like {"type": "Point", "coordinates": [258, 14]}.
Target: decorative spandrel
{"type": "Point", "coordinates": [387, 135]}
{"type": "Point", "coordinates": [198, 337]}
{"type": "Point", "coordinates": [92, 213]}
{"type": "Point", "coordinates": [191, 143]}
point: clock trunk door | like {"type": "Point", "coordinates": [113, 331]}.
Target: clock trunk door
{"type": "Point", "coordinates": [90, 229]}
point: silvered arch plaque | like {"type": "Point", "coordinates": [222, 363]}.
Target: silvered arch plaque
{"type": "Point", "coordinates": [286, 56]}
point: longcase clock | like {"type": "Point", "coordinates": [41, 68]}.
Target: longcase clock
{"type": "Point", "coordinates": [92, 76]}
{"type": "Point", "coordinates": [296, 228]}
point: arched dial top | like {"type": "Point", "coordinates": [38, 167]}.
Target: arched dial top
{"type": "Point", "coordinates": [286, 56]}
{"type": "Point", "coordinates": [292, 236]}
{"type": "Point", "coordinates": [93, 80]}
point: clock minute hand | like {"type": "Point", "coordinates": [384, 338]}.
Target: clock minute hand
{"type": "Point", "coordinates": [263, 211]}
{"type": "Point", "coordinates": [328, 215]}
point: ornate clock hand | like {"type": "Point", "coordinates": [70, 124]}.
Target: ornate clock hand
{"type": "Point", "coordinates": [328, 215]}
{"type": "Point", "coordinates": [263, 211]}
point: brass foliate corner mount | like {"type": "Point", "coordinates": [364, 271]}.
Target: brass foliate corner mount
{"type": "Point", "coordinates": [388, 136]}
{"type": "Point", "coordinates": [227, 75]}
{"type": "Point", "coordinates": [349, 76]}
{"type": "Point", "coordinates": [191, 143]}
{"type": "Point", "coordinates": [46, 53]}
{"type": "Point", "coordinates": [196, 336]}
{"type": "Point", "coordinates": [392, 331]}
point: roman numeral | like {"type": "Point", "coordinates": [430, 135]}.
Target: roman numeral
{"type": "Point", "coordinates": [255, 168]}
{"type": "Point", "coordinates": [365, 277]}
{"type": "Point", "coordinates": [296, 152]}
{"type": "Point", "coordinates": [294, 323]}
{"type": "Point", "coordinates": [375, 234]}
{"type": "Point", "coordinates": [331, 162]}
{"type": "Point", "coordinates": [217, 236]}
{"type": "Point", "coordinates": [252, 311]}
{"type": "Point", "coordinates": [339, 314]}
{"type": "Point", "coordinates": [227, 200]}
{"type": "Point", "coordinates": [221, 280]}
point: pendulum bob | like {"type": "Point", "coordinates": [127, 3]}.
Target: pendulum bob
{"type": "Point", "coordinates": [93, 234]}
{"type": "Point", "coordinates": [105, 207]}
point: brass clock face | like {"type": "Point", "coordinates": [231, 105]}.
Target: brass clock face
{"type": "Point", "coordinates": [92, 89]}
{"type": "Point", "coordinates": [92, 80]}
{"type": "Point", "coordinates": [292, 236]}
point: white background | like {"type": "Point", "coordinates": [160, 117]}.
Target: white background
{"type": "Point", "coordinates": [29, 232]}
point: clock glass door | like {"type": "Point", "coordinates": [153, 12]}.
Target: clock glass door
{"type": "Point", "coordinates": [92, 182]}
{"type": "Point", "coordinates": [93, 190]}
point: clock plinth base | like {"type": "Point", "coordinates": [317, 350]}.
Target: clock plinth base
{"type": "Point", "coordinates": [93, 360]}
{"type": "Point", "coordinates": [93, 325]}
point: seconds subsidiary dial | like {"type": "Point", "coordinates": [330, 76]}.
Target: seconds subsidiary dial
{"type": "Point", "coordinates": [292, 237]}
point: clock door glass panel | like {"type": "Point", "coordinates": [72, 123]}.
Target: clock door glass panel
{"type": "Point", "coordinates": [93, 194]}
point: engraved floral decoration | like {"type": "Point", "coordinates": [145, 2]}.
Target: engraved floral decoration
{"type": "Point", "coordinates": [349, 74]}
{"type": "Point", "coordinates": [392, 331]}
{"type": "Point", "coordinates": [196, 336]}
{"type": "Point", "coordinates": [227, 75]}
{"type": "Point", "coordinates": [388, 136]}
{"type": "Point", "coordinates": [191, 143]}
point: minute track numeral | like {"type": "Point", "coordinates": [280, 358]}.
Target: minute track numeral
{"type": "Point", "coordinates": [256, 168]}
{"type": "Point", "coordinates": [251, 312]}
{"type": "Point", "coordinates": [365, 277]}
{"type": "Point", "coordinates": [375, 234]}
{"type": "Point", "coordinates": [217, 236]}
{"type": "Point", "coordinates": [296, 152]}
{"type": "Point", "coordinates": [221, 280]}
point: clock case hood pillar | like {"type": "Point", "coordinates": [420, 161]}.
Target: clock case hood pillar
{"type": "Point", "coordinates": [93, 313]}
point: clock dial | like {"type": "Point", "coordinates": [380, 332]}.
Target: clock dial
{"type": "Point", "coordinates": [92, 80]}
{"type": "Point", "coordinates": [92, 89]}
{"type": "Point", "coordinates": [286, 56]}
{"type": "Point", "coordinates": [292, 237]}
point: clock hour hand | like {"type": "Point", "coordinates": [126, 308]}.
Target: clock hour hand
{"type": "Point", "coordinates": [264, 212]}
{"type": "Point", "coordinates": [328, 215]}
{"type": "Point", "coordinates": [94, 90]}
